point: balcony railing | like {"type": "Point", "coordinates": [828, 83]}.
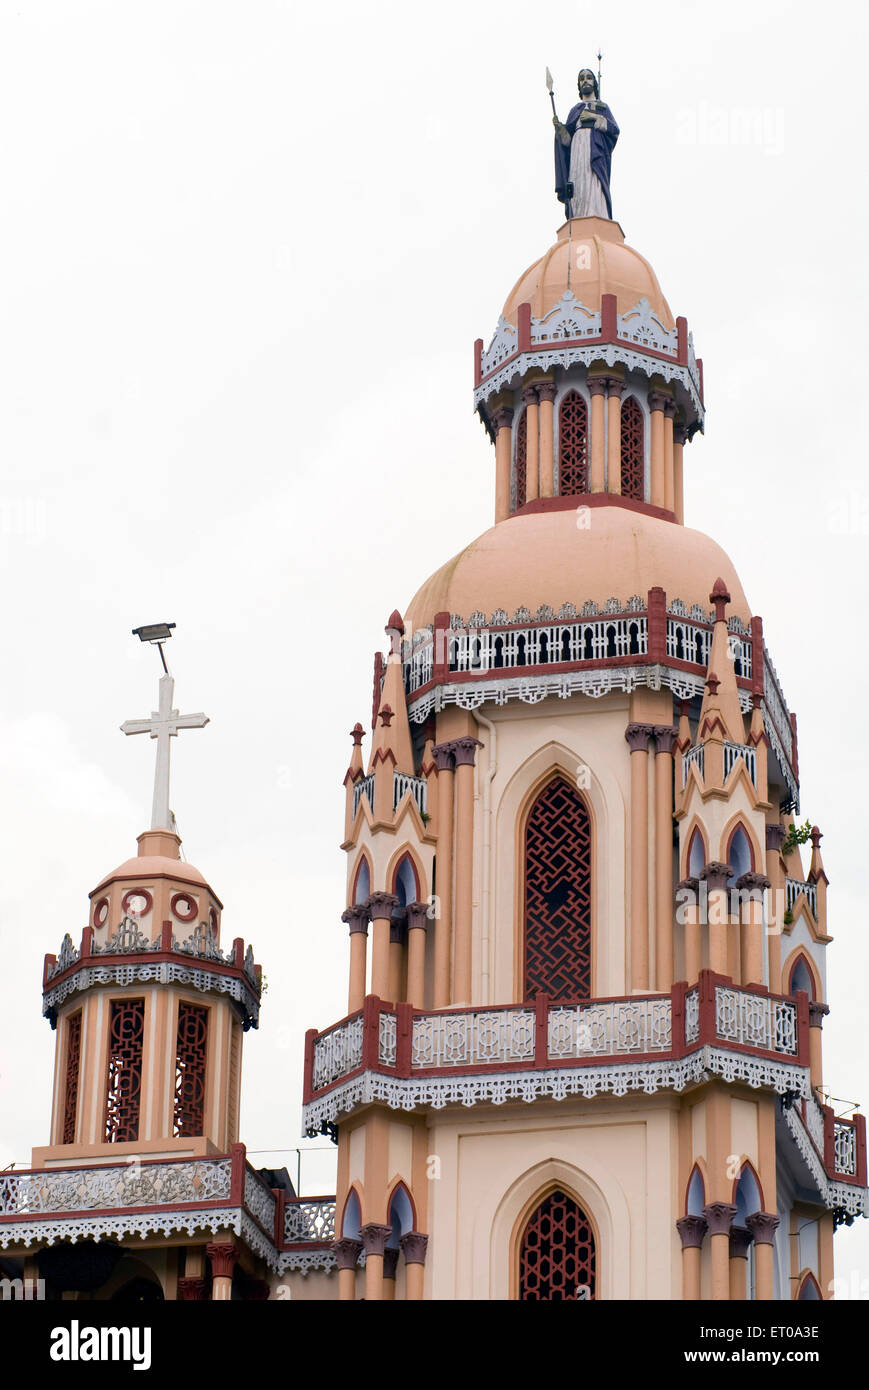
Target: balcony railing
{"type": "Point", "coordinates": [401, 783]}
{"type": "Point", "coordinates": [794, 887]}
{"type": "Point", "coordinates": [733, 752]}
{"type": "Point", "coordinates": [308, 1220]}
{"type": "Point", "coordinates": [695, 757]}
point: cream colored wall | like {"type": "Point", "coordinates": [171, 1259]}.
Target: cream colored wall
{"type": "Point", "coordinates": [530, 742]}
{"type": "Point", "coordinates": [610, 1157]}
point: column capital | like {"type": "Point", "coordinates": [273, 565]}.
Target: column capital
{"type": "Point", "coordinates": [390, 1261]}
{"type": "Point", "coordinates": [753, 882]}
{"type": "Point", "coordinates": [191, 1289]}
{"type": "Point", "coordinates": [740, 1241]}
{"type": "Point", "coordinates": [398, 928]}
{"type": "Point", "coordinates": [382, 905]}
{"type": "Point", "coordinates": [357, 917]}
{"type": "Point", "coordinates": [444, 756]}
{"type": "Point", "coordinates": [817, 1014]}
{"type": "Point", "coordinates": [775, 836]}
{"type": "Point", "coordinates": [680, 432]}
{"type": "Point", "coordinates": [691, 1230]}
{"type": "Point", "coordinates": [347, 1252]}
{"type": "Point", "coordinates": [529, 395]}
{"type": "Point", "coordinates": [670, 409]}
{"type": "Point", "coordinates": [223, 1256]}
{"type": "Point", "coordinates": [465, 751]}
{"type": "Point", "coordinates": [374, 1237]}
{"type": "Point", "coordinates": [503, 418]}
{"type": "Point", "coordinates": [417, 916]}
{"type": "Point", "coordinates": [715, 875]}
{"type": "Point", "coordinates": [690, 885]}
{"type": "Point", "coordinates": [596, 385]}
{"type": "Point", "coordinates": [762, 1225]}
{"type": "Point", "coordinates": [638, 736]}
{"type": "Point", "coordinates": [615, 386]}
{"type": "Point", "coordinates": [547, 390]}
{"type": "Point", "coordinates": [657, 400]}
{"type": "Point", "coordinates": [719, 1216]}
{"type": "Point", "coordinates": [413, 1246]}
{"type": "Point", "coordinates": [665, 736]}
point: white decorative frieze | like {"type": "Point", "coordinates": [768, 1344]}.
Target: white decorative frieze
{"type": "Point", "coordinates": [566, 320]}
{"type": "Point", "coordinates": [642, 325]}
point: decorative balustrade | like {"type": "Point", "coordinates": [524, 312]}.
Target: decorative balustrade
{"type": "Point", "coordinates": [308, 1219]}
{"type": "Point", "coordinates": [337, 1052]}
{"type": "Point", "coordinates": [844, 1148]}
{"type": "Point", "coordinates": [615, 1028]}
{"type": "Point", "coordinates": [48, 1191]}
{"type": "Point", "coordinates": [259, 1200]}
{"type": "Point", "coordinates": [364, 787]}
{"type": "Point", "coordinates": [695, 757]}
{"type": "Point", "coordinates": [794, 887]}
{"type": "Point", "coordinates": [491, 649]}
{"type": "Point", "coordinates": [756, 1020]}
{"type": "Point", "coordinates": [417, 786]}
{"type": "Point", "coordinates": [839, 1143]}
{"type": "Point", "coordinates": [473, 1038]}
{"type": "Point", "coordinates": [733, 752]}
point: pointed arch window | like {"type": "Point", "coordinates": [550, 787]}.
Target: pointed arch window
{"type": "Point", "coordinates": [572, 445]}
{"type": "Point", "coordinates": [522, 459]}
{"type": "Point", "coordinates": [73, 1061]}
{"type": "Point", "coordinates": [557, 909]}
{"type": "Point", "coordinates": [633, 450]}
{"type": "Point", "coordinates": [557, 1260]}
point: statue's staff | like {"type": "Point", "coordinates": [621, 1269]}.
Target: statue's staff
{"type": "Point", "coordinates": [549, 89]}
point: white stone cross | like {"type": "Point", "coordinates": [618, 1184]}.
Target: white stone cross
{"type": "Point", "coordinates": [163, 725]}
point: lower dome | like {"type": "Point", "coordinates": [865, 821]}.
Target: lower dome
{"type": "Point", "coordinates": [546, 557]}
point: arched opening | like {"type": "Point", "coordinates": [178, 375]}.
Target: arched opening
{"type": "Point", "coordinates": [352, 1218]}
{"type": "Point", "coordinates": [809, 1290]}
{"type": "Point", "coordinates": [405, 884]}
{"type": "Point", "coordinates": [739, 855]}
{"type": "Point", "coordinates": [557, 1258]}
{"type": "Point", "coordinates": [748, 1199]}
{"type": "Point", "coordinates": [633, 450]}
{"type": "Point", "coordinates": [362, 882]}
{"type": "Point", "coordinates": [696, 855]}
{"type": "Point", "coordinates": [401, 1217]}
{"type": "Point", "coordinates": [801, 978]}
{"type": "Point", "coordinates": [557, 910]}
{"type": "Point", "coordinates": [572, 445]}
{"type": "Point", "coordinates": [695, 1199]}
{"type": "Point", "coordinates": [522, 459]}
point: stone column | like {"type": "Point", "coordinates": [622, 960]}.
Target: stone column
{"type": "Point", "coordinates": [816, 1024]}
{"type": "Point", "coordinates": [223, 1256]}
{"type": "Point", "coordinates": [665, 739]}
{"type": "Point", "coordinates": [503, 422]}
{"type": "Point", "coordinates": [413, 1246]}
{"type": "Point", "coordinates": [444, 760]}
{"type": "Point", "coordinates": [657, 403]}
{"type": "Point", "coordinates": [465, 753]}
{"type": "Point", "coordinates": [546, 391]}
{"type": "Point", "coordinates": [390, 1266]}
{"type": "Point", "coordinates": [680, 435]}
{"type": "Point", "coordinates": [719, 1217]}
{"type": "Point", "coordinates": [397, 937]}
{"type": "Point", "coordinates": [669, 457]}
{"type": "Point", "coordinates": [357, 919]}
{"type": "Point", "coordinates": [597, 433]}
{"type": "Point", "coordinates": [191, 1289]}
{"type": "Point", "coordinates": [762, 1225]}
{"type": "Point", "coordinates": [751, 888]}
{"type": "Point", "coordinates": [638, 736]}
{"type": "Point", "coordinates": [715, 876]}
{"type": "Point", "coordinates": [347, 1252]}
{"type": "Point", "coordinates": [381, 907]}
{"type": "Point", "coordinates": [532, 444]}
{"type": "Point", "coordinates": [614, 389]}
{"type": "Point", "coordinates": [374, 1238]}
{"type": "Point", "coordinates": [775, 836]}
{"type": "Point", "coordinates": [691, 1230]}
{"type": "Point", "coordinates": [417, 924]}
{"type": "Point", "coordinates": [740, 1243]}
{"type": "Point", "coordinates": [691, 914]}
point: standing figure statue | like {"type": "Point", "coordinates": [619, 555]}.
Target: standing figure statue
{"type": "Point", "coordinates": [583, 153]}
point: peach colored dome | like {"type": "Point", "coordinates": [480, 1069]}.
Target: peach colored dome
{"type": "Point", "coordinates": [594, 252]}
{"type": "Point", "coordinates": [147, 866]}
{"type": "Point", "coordinates": [543, 558]}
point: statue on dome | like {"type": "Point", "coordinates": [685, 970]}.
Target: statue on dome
{"type": "Point", "coordinates": [583, 151]}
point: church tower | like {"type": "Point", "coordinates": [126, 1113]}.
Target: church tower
{"type": "Point", "coordinates": [582, 1052]}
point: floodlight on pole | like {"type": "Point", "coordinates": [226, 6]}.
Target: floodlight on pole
{"type": "Point", "coordinates": [158, 633]}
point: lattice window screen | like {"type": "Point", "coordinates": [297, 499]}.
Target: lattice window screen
{"type": "Point", "coordinates": [522, 459]}
{"type": "Point", "coordinates": [572, 445]}
{"type": "Point", "coordinates": [633, 450]}
{"type": "Point", "coordinates": [557, 1260]}
{"type": "Point", "coordinates": [558, 895]}
{"type": "Point", "coordinates": [73, 1062]}
{"type": "Point", "coordinates": [124, 1082]}
{"type": "Point", "coordinates": [188, 1116]}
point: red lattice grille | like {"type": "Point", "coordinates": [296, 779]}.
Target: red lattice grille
{"type": "Point", "coordinates": [189, 1106]}
{"type": "Point", "coordinates": [558, 895]}
{"type": "Point", "coordinates": [633, 450]}
{"type": "Point", "coordinates": [124, 1085]}
{"type": "Point", "coordinates": [522, 459]}
{"type": "Point", "coordinates": [572, 445]}
{"type": "Point", "coordinates": [73, 1060]}
{"type": "Point", "coordinates": [557, 1262]}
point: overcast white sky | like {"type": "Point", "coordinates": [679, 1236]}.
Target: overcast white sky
{"type": "Point", "coordinates": [244, 252]}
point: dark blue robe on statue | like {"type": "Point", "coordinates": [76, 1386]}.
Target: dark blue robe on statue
{"type": "Point", "coordinates": [602, 144]}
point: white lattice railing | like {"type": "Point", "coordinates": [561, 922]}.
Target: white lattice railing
{"type": "Point", "coordinates": [387, 1041]}
{"type": "Point", "coordinates": [473, 1038]}
{"type": "Point", "coordinates": [259, 1200]}
{"type": "Point", "coordinates": [417, 787]}
{"type": "Point", "coordinates": [777, 707]}
{"type": "Point", "coordinates": [793, 888]}
{"type": "Point", "coordinates": [612, 1028]}
{"type": "Point", "coordinates": [364, 787]}
{"type": "Point", "coordinates": [734, 751]}
{"type": "Point", "coordinates": [309, 1218]}
{"type": "Point", "coordinates": [133, 1184]}
{"type": "Point", "coordinates": [756, 1020]}
{"type": "Point", "coordinates": [419, 666]}
{"type": "Point", "coordinates": [337, 1052]}
{"type": "Point", "coordinates": [487, 649]}
{"type": "Point", "coordinates": [695, 757]}
{"type": "Point", "coordinates": [813, 1116]}
{"type": "Point", "coordinates": [687, 641]}
{"type": "Point", "coordinates": [692, 1016]}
